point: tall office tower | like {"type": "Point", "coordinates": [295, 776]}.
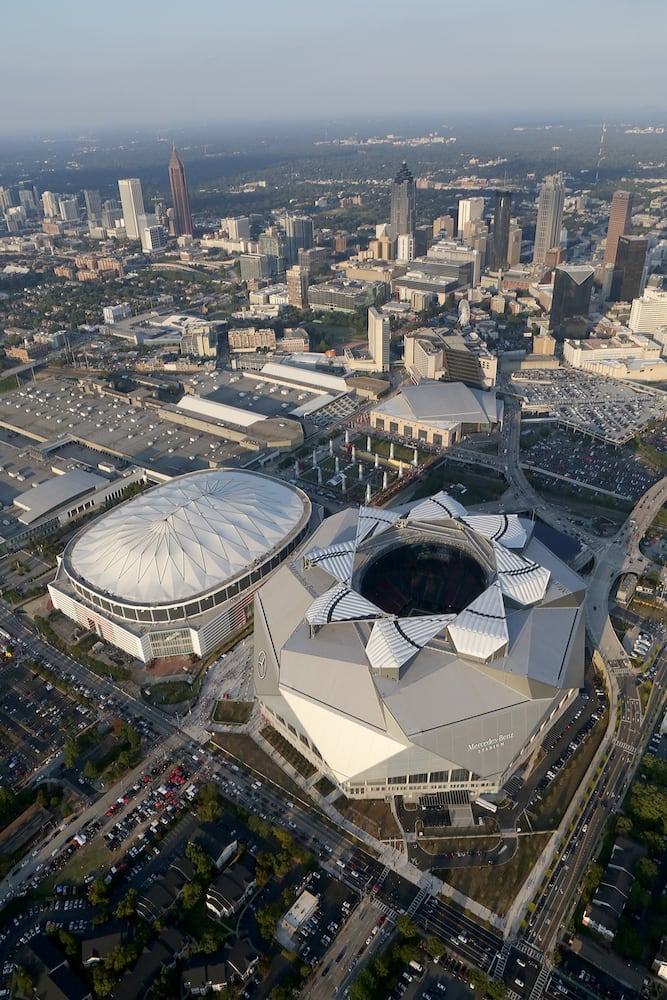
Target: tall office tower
{"type": "Point", "coordinates": [571, 300]}
{"type": "Point", "coordinates": [470, 210]}
{"type": "Point", "coordinates": [28, 197]}
{"type": "Point", "coordinates": [297, 287]}
{"type": "Point", "coordinates": [630, 269]}
{"type": "Point", "coordinates": [153, 236]}
{"type": "Point", "coordinates": [238, 228]}
{"type": "Point", "coordinates": [620, 220]}
{"type": "Point", "coordinates": [50, 205]}
{"type": "Point", "coordinates": [299, 230]}
{"type": "Point", "coordinates": [443, 225]}
{"type": "Point", "coordinates": [69, 209]}
{"type": "Point", "coordinates": [93, 205]}
{"type": "Point", "coordinates": [179, 195]}
{"type": "Point", "coordinates": [379, 338]}
{"type": "Point", "coordinates": [132, 202]}
{"type": "Point", "coordinates": [273, 244]}
{"type": "Point", "coordinates": [549, 216]}
{"type": "Point", "coordinates": [501, 230]}
{"type": "Point", "coordinates": [403, 214]}
{"type": "Point", "coordinates": [6, 199]}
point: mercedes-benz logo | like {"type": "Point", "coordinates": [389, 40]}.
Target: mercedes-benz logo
{"type": "Point", "coordinates": [261, 664]}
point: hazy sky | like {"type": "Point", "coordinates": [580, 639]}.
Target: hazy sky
{"type": "Point", "coordinates": [89, 64]}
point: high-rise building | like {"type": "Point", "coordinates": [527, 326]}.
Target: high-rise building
{"type": "Point", "coordinates": [379, 339]}
{"type": "Point", "coordinates": [501, 230]}
{"type": "Point", "coordinates": [649, 312]}
{"type": "Point", "coordinates": [93, 205]}
{"type": "Point", "coordinates": [630, 269]}
{"type": "Point", "coordinates": [50, 205]}
{"type": "Point", "coordinates": [470, 210]}
{"type": "Point", "coordinates": [112, 213]}
{"type": "Point", "coordinates": [443, 225]}
{"type": "Point", "coordinates": [549, 216]}
{"type": "Point", "coordinates": [153, 236]}
{"type": "Point", "coordinates": [570, 305]}
{"type": "Point", "coordinates": [299, 229]}
{"type": "Point", "coordinates": [403, 215]}
{"type": "Point", "coordinates": [179, 196]}
{"type": "Point", "coordinates": [132, 202]}
{"type": "Point", "coordinates": [273, 245]}
{"type": "Point", "coordinates": [68, 209]}
{"type": "Point", "coordinates": [297, 287]}
{"type": "Point", "coordinates": [620, 220]}
{"type": "Point", "coordinates": [514, 246]}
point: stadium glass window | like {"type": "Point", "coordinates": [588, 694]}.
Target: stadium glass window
{"type": "Point", "coordinates": [192, 609]}
{"type": "Point", "coordinates": [439, 776]}
{"type": "Point", "coordinates": [399, 780]}
{"type": "Point", "coordinates": [418, 779]}
{"type": "Point", "coordinates": [304, 739]}
{"type": "Point", "coordinates": [460, 774]}
{"type": "Point", "coordinates": [280, 720]}
{"type": "Point", "coordinates": [160, 615]}
{"type": "Point", "coordinates": [291, 728]}
{"type": "Point", "coordinates": [143, 615]}
{"type": "Point", "coordinates": [207, 604]}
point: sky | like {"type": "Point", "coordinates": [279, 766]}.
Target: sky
{"type": "Point", "coordinates": [76, 65]}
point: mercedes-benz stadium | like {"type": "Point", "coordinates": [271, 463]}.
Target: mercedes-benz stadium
{"type": "Point", "coordinates": [173, 571]}
{"type": "Point", "coordinates": [419, 649]}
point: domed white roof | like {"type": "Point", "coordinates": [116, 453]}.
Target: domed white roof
{"type": "Point", "coordinates": [188, 536]}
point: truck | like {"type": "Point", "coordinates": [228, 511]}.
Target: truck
{"type": "Point", "coordinates": [416, 967]}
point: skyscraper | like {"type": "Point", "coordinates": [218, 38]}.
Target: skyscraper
{"type": "Point", "coordinates": [132, 202]}
{"type": "Point", "coordinates": [299, 229]}
{"type": "Point", "coordinates": [93, 205]}
{"type": "Point", "coordinates": [571, 301]}
{"type": "Point", "coordinates": [379, 339]}
{"type": "Point", "coordinates": [501, 230]}
{"type": "Point", "coordinates": [297, 287]}
{"type": "Point", "coordinates": [630, 269]}
{"type": "Point", "coordinates": [179, 196]}
{"type": "Point", "coordinates": [620, 220]}
{"type": "Point", "coordinates": [470, 210]}
{"type": "Point", "coordinates": [403, 203]}
{"type": "Point", "coordinates": [549, 216]}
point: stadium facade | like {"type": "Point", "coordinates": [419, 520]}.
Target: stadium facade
{"type": "Point", "coordinates": [174, 571]}
{"type": "Point", "coordinates": [419, 649]}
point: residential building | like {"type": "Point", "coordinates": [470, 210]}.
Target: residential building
{"type": "Point", "coordinates": [403, 214]}
{"type": "Point", "coordinates": [68, 209]}
{"type": "Point", "coordinates": [620, 220]}
{"type": "Point", "coordinates": [379, 339]}
{"type": "Point", "coordinates": [297, 287]}
{"type": "Point", "coordinates": [549, 217]}
{"type": "Point", "coordinates": [256, 267]}
{"type": "Point", "coordinates": [249, 339]}
{"type": "Point", "coordinates": [50, 205]}
{"type": "Point", "coordinates": [132, 203]}
{"type": "Point", "coordinates": [179, 195]}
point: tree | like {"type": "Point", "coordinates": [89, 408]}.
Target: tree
{"type": "Point", "coordinates": [212, 940]}
{"type": "Point", "coordinates": [646, 872]}
{"type": "Point", "coordinates": [623, 825]}
{"type": "Point", "coordinates": [103, 980]}
{"type": "Point", "coordinates": [435, 947]}
{"type": "Point", "coordinates": [191, 895]}
{"type": "Point", "coordinates": [201, 861]}
{"type": "Point", "coordinates": [407, 928]}
{"type": "Point", "coordinates": [98, 894]}
{"type": "Point", "coordinates": [89, 770]}
{"type": "Point", "coordinates": [267, 917]}
{"type": "Point", "coordinates": [71, 751]}
{"type": "Point", "coordinates": [210, 803]}
{"type": "Point", "coordinates": [127, 907]}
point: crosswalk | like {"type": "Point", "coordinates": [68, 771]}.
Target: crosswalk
{"type": "Point", "coordinates": [528, 949]}
{"type": "Point", "coordinates": [383, 907]}
{"type": "Point", "coordinates": [540, 983]}
{"type": "Point", "coordinates": [502, 962]}
{"type": "Point", "coordinates": [626, 747]}
{"type": "Point", "coordinates": [417, 902]}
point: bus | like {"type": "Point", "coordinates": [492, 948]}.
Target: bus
{"type": "Point", "coordinates": [485, 804]}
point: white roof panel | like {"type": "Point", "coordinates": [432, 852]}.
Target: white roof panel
{"type": "Point", "coordinates": [373, 521]}
{"type": "Point", "coordinates": [481, 630]}
{"type": "Point", "coordinates": [393, 642]}
{"type": "Point", "coordinates": [504, 528]}
{"type": "Point", "coordinates": [437, 507]}
{"type": "Point", "coordinates": [211, 410]}
{"type": "Point", "coordinates": [341, 604]}
{"type": "Point", "coordinates": [336, 560]}
{"type": "Point", "coordinates": [520, 579]}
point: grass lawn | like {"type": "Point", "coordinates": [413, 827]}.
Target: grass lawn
{"type": "Point", "coordinates": [288, 752]}
{"type": "Point", "coordinates": [86, 859]}
{"type": "Point", "coordinates": [242, 748]}
{"type": "Point", "coordinates": [441, 845]}
{"type": "Point", "coordinates": [232, 713]}
{"type": "Point", "coordinates": [479, 488]}
{"type": "Point", "coordinates": [371, 815]}
{"type": "Point", "coordinates": [496, 887]}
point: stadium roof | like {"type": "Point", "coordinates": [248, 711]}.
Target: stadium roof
{"type": "Point", "coordinates": [443, 404]}
{"type": "Point", "coordinates": [187, 536]}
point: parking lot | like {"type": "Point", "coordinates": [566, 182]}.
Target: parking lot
{"type": "Point", "coordinates": [606, 409]}
{"type": "Point", "coordinates": [591, 462]}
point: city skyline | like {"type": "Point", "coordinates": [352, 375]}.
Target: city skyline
{"type": "Point", "coordinates": [288, 44]}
